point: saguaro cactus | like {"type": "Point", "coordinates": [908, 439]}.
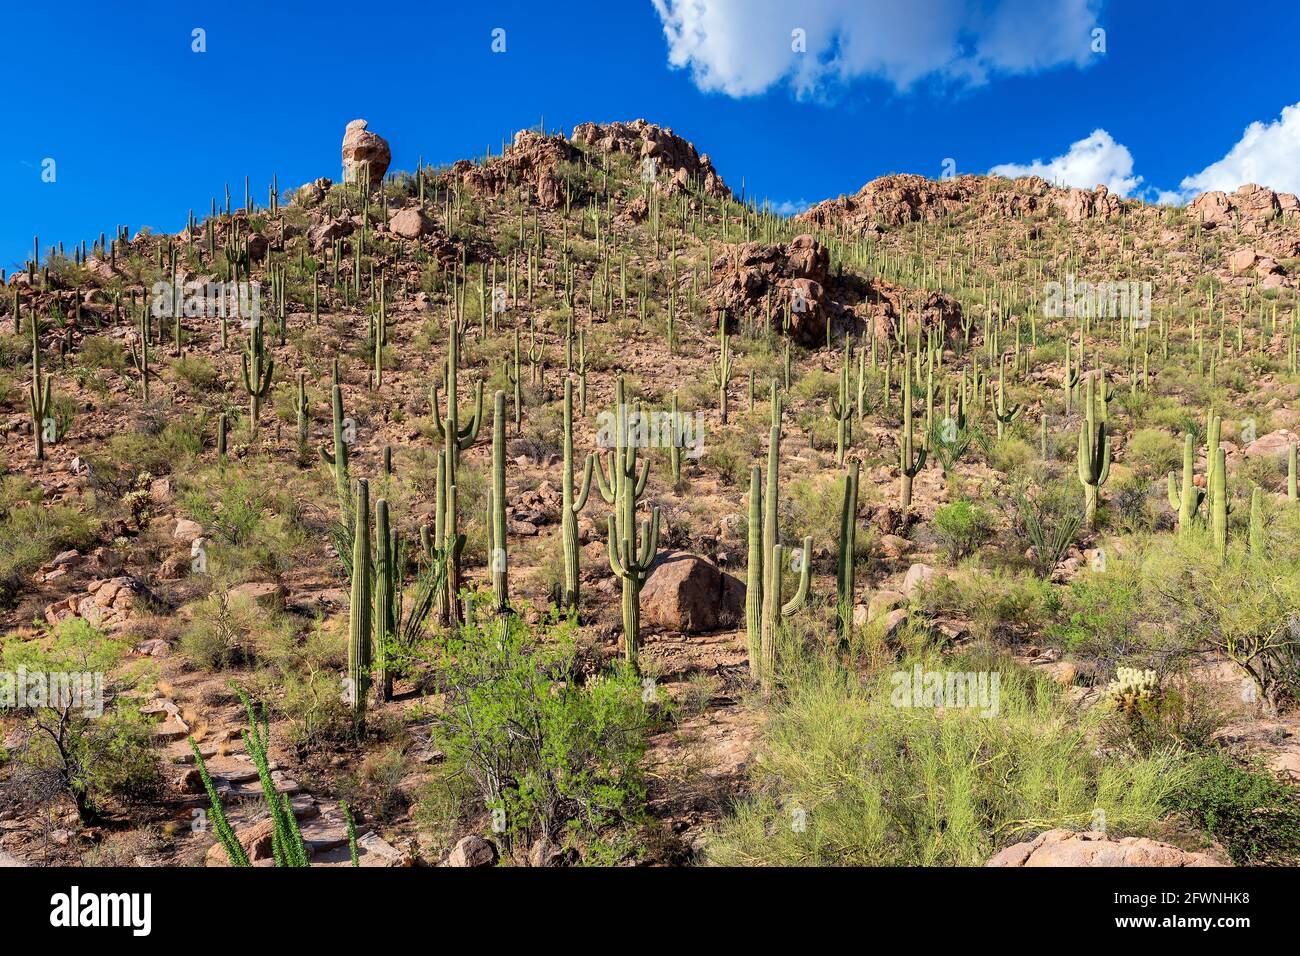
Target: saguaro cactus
{"type": "Point", "coordinates": [630, 560]}
{"type": "Point", "coordinates": [1219, 504]}
{"type": "Point", "coordinates": [1186, 497]}
{"type": "Point", "coordinates": [338, 459]}
{"type": "Point", "coordinates": [722, 368]}
{"type": "Point", "coordinates": [38, 393]}
{"type": "Point", "coordinates": [257, 366]}
{"type": "Point", "coordinates": [910, 463]}
{"type": "Point", "coordinates": [1291, 489]}
{"type": "Point", "coordinates": [498, 557]}
{"type": "Point", "coordinates": [846, 564]}
{"type": "Point", "coordinates": [573, 502]}
{"type": "Point", "coordinates": [763, 608]}
{"type": "Point", "coordinates": [1256, 523]}
{"type": "Point", "coordinates": [359, 620]}
{"type": "Point", "coordinates": [842, 411]}
{"type": "Point", "coordinates": [385, 577]}
{"type": "Point", "coordinates": [303, 408]}
{"type": "Point", "coordinates": [455, 438]}
{"type": "Point", "coordinates": [1093, 459]}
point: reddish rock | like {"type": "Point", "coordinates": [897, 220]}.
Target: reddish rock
{"type": "Point", "coordinates": [691, 594]}
{"type": "Point", "coordinates": [1070, 848]}
{"type": "Point", "coordinates": [363, 149]}
{"type": "Point", "coordinates": [473, 851]}
{"type": "Point", "coordinates": [410, 223]}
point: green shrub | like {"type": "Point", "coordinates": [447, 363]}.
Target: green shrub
{"type": "Point", "coordinates": [1250, 811]}
{"type": "Point", "coordinates": [1154, 453]}
{"type": "Point", "coordinates": [845, 778]}
{"type": "Point", "coordinates": [549, 753]}
{"type": "Point", "coordinates": [962, 526]}
{"type": "Point", "coordinates": [33, 531]}
{"type": "Point", "coordinates": [93, 748]}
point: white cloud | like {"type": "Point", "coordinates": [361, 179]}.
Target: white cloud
{"type": "Point", "coordinates": [790, 208]}
{"type": "Point", "coordinates": [1266, 154]}
{"type": "Point", "coordinates": [744, 47]}
{"type": "Point", "coordinates": [1096, 159]}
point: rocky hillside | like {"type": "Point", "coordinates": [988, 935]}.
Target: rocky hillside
{"type": "Point", "coordinates": [351, 462]}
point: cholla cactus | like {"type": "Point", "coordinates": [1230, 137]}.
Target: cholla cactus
{"type": "Point", "coordinates": [1131, 687]}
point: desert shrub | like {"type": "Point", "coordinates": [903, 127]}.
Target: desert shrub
{"type": "Point", "coordinates": [1153, 453]}
{"type": "Point", "coordinates": [1180, 713]}
{"type": "Point", "coordinates": [33, 531]}
{"type": "Point", "coordinates": [92, 746]}
{"type": "Point", "coordinates": [962, 526]}
{"type": "Point", "coordinates": [254, 521]}
{"type": "Point", "coordinates": [1131, 504]}
{"type": "Point", "coordinates": [195, 373]}
{"type": "Point", "coordinates": [1104, 614]}
{"type": "Point", "coordinates": [1011, 455]}
{"type": "Point", "coordinates": [102, 353]}
{"type": "Point", "coordinates": [998, 604]}
{"type": "Point", "coordinates": [228, 630]}
{"type": "Point", "coordinates": [155, 445]}
{"type": "Point", "coordinates": [733, 453]}
{"type": "Point", "coordinates": [549, 753]}
{"type": "Point", "coordinates": [1246, 808]}
{"type": "Point", "coordinates": [835, 757]}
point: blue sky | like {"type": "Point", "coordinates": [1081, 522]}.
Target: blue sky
{"type": "Point", "coordinates": [141, 128]}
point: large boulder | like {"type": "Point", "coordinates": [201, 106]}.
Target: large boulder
{"type": "Point", "coordinates": [410, 223]}
{"type": "Point", "coordinates": [670, 157]}
{"type": "Point", "coordinates": [473, 851]}
{"type": "Point", "coordinates": [1070, 848]}
{"type": "Point", "coordinates": [1273, 445]}
{"type": "Point", "coordinates": [362, 149]}
{"type": "Point", "coordinates": [691, 594]}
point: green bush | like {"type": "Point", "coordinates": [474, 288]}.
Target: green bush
{"type": "Point", "coordinates": [1153, 453]}
{"type": "Point", "coordinates": [94, 748]}
{"type": "Point", "coordinates": [549, 752]}
{"type": "Point", "coordinates": [962, 526]}
{"type": "Point", "coordinates": [1249, 810]}
{"type": "Point", "coordinates": [33, 531]}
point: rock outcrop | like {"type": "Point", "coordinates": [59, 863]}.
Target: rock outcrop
{"type": "Point", "coordinates": [667, 152]}
{"type": "Point", "coordinates": [691, 594]}
{"type": "Point", "coordinates": [364, 150]}
{"type": "Point", "coordinates": [1070, 848]}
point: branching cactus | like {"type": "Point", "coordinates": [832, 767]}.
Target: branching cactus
{"type": "Point", "coordinates": [338, 459]}
{"type": "Point", "coordinates": [38, 393]}
{"type": "Point", "coordinates": [846, 563]}
{"type": "Point", "coordinates": [842, 410]}
{"type": "Point", "coordinates": [574, 500]}
{"type": "Point", "coordinates": [1256, 523]}
{"type": "Point", "coordinates": [1005, 416]}
{"type": "Point", "coordinates": [497, 556]}
{"type": "Point", "coordinates": [139, 352]}
{"type": "Point", "coordinates": [257, 368]}
{"type": "Point", "coordinates": [631, 561]}
{"type": "Point", "coordinates": [359, 621]}
{"type": "Point", "coordinates": [1219, 503]}
{"type": "Point", "coordinates": [455, 438]}
{"type": "Point", "coordinates": [1093, 459]}
{"type": "Point", "coordinates": [722, 368]}
{"type": "Point", "coordinates": [763, 608]}
{"type": "Point", "coordinates": [910, 461]}
{"type": "Point", "coordinates": [1186, 497]}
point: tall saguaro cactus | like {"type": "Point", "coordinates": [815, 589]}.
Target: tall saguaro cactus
{"type": "Point", "coordinates": [1093, 458]}
{"type": "Point", "coordinates": [38, 393]}
{"type": "Point", "coordinates": [384, 585]}
{"type": "Point", "coordinates": [359, 620]}
{"type": "Point", "coordinates": [338, 458]}
{"type": "Point", "coordinates": [622, 487]}
{"type": "Point", "coordinates": [573, 502]}
{"type": "Point", "coordinates": [1186, 497]}
{"type": "Point", "coordinates": [910, 462]}
{"type": "Point", "coordinates": [764, 576]}
{"type": "Point", "coordinates": [846, 564]}
{"type": "Point", "coordinates": [722, 368]}
{"type": "Point", "coordinates": [257, 367]}
{"type": "Point", "coordinates": [498, 556]}
{"type": "Point", "coordinates": [1219, 503]}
